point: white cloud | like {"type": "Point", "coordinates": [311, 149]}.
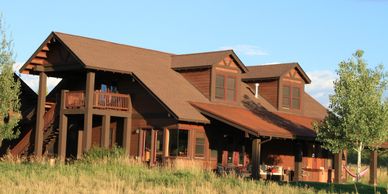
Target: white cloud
{"type": "Point", "coordinates": [321, 85]}
{"type": "Point", "coordinates": [33, 80]}
{"type": "Point", "coordinates": [245, 49]}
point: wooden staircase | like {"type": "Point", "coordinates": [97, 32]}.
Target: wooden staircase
{"type": "Point", "coordinates": [26, 144]}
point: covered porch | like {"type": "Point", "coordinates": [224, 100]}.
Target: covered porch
{"type": "Point", "coordinates": [267, 145]}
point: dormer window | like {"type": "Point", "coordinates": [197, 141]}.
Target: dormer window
{"type": "Point", "coordinates": [291, 97]}
{"type": "Point", "coordinates": [226, 87]}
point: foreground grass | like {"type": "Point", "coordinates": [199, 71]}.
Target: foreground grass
{"type": "Point", "coordinates": [102, 172]}
{"type": "Point", "coordinates": [125, 177]}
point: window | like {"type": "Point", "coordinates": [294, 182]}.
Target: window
{"type": "Point", "coordinates": [291, 97]}
{"type": "Point", "coordinates": [295, 98]}
{"type": "Point", "coordinates": [178, 142]}
{"type": "Point", "coordinates": [200, 145]}
{"type": "Point", "coordinates": [220, 89]}
{"type": "Point", "coordinates": [286, 96]}
{"type": "Point", "coordinates": [225, 87]}
{"type": "Point", "coordinates": [231, 89]}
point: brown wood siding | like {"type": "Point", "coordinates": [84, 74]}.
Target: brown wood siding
{"type": "Point", "coordinates": [200, 79]}
{"type": "Point", "coordinates": [268, 90]}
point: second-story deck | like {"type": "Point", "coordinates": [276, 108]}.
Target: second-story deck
{"type": "Point", "coordinates": [101, 100]}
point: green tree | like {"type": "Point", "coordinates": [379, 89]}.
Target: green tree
{"type": "Point", "coordinates": [9, 90]}
{"type": "Point", "coordinates": [358, 112]}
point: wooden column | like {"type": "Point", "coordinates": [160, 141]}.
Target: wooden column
{"type": "Point", "coordinates": [298, 162]}
{"type": "Point", "coordinates": [166, 142]}
{"type": "Point", "coordinates": [127, 135]}
{"type": "Point", "coordinates": [105, 133]}
{"type": "Point", "coordinates": [62, 129]}
{"type": "Point", "coordinates": [40, 114]}
{"type": "Point", "coordinates": [256, 149]}
{"type": "Point", "coordinates": [373, 168]}
{"type": "Point", "coordinates": [153, 146]}
{"type": "Point", "coordinates": [79, 144]}
{"type": "Point", "coordinates": [88, 115]}
{"type": "Point", "coordinates": [337, 167]}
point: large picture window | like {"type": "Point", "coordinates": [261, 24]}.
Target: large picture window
{"type": "Point", "coordinates": [225, 87]}
{"type": "Point", "coordinates": [291, 97]}
{"type": "Point", "coordinates": [178, 142]}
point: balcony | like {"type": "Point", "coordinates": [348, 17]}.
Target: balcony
{"type": "Point", "coordinates": [101, 100]}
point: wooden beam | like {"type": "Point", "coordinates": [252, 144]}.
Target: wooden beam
{"type": "Point", "coordinates": [38, 61]}
{"type": "Point", "coordinates": [40, 114]}
{"type": "Point", "coordinates": [62, 129]}
{"type": "Point", "coordinates": [256, 153]}
{"type": "Point", "coordinates": [42, 54]}
{"type": "Point", "coordinates": [88, 115]}
{"type": "Point", "coordinates": [373, 168]}
{"type": "Point", "coordinates": [105, 137]}
{"type": "Point", "coordinates": [337, 167]}
{"type": "Point", "coordinates": [298, 157]}
{"type": "Point", "coordinates": [127, 135]}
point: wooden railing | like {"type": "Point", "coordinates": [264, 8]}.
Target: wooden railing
{"type": "Point", "coordinates": [74, 99]}
{"type": "Point", "coordinates": [101, 100]}
{"type": "Point", "coordinates": [104, 100]}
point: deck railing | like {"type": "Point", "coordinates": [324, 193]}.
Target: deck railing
{"type": "Point", "coordinates": [101, 100]}
{"type": "Point", "coordinates": [104, 100]}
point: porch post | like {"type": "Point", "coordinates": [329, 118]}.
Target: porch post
{"type": "Point", "coordinates": [127, 135]}
{"type": "Point", "coordinates": [105, 131]}
{"type": "Point", "coordinates": [40, 114]}
{"type": "Point", "coordinates": [62, 129]}
{"type": "Point", "coordinates": [373, 168]}
{"type": "Point", "coordinates": [337, 167]}
{"type": "Point", "coordinates": [298, 162]}
{"type": "Point", "coordinates": [88, 115]}
{"type": "Point", "coordinates": [256, 149]}
{"type": "Point", "coordinates": [153, 145]}
{"type": "Point", "coordinates": [166, 142]}
{"type": "Point", "coordinates": [79, 144]}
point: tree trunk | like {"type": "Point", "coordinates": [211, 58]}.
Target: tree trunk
{"type": "Point", "coordinates": [359, 150]}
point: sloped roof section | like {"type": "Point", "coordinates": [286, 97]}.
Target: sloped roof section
{"type": "Point", "coordinates": [166, 85]}
{"type": "Point", "coordinates": [259, 122]}
{"type": "Point", "coordinates": [205, 59]}
{"type": "Point", "coordinates": [272, 71]}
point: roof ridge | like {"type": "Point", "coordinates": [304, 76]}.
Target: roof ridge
{"type": "Point", "coordinates": [273, 64]}
{"type": "Point", "coordinates": [207, 52]}
{"type": "Point", "coordinates": [120, 44]}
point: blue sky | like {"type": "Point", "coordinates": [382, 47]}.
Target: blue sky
{"type": "Point", "coordinates": [317, 34]}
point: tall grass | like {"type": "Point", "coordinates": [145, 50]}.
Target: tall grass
{"type": "Point", "coordinates": [104, 171]}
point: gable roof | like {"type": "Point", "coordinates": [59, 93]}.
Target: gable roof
{"type": "Point", "coordinates": [260, 72]}
{"type": "Point", "coordinates": [168, 86]}
{"type": "Point", "coordinates": [205, 59]}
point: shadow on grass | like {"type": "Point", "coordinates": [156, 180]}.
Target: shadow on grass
{"type": "Point", "coordinates": [341, 188]}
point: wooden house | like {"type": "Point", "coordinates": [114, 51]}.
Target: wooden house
{"type": "Point", "coordinates": [161, 107]}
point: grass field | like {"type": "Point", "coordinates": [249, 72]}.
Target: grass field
{"type": "Point", "coordinates": [98, 174]}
